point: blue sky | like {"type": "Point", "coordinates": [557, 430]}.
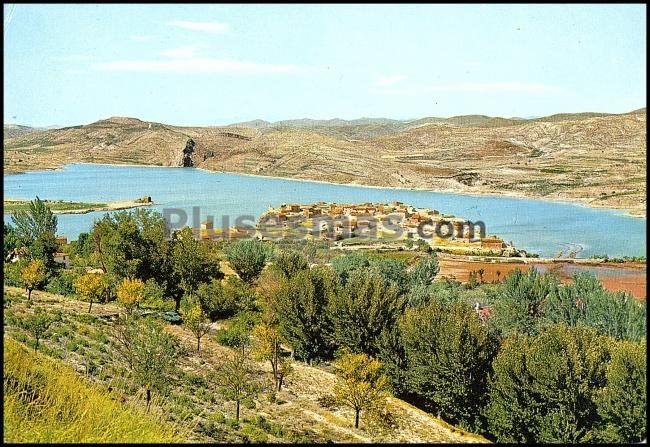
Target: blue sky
{"type": "Point", "coordinates": [219, 64]}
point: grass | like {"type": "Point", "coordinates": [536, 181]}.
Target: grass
{"type": "Point", "coordinates": [46, 401]}
{"type": "Point", "coordinates": [12, 206]}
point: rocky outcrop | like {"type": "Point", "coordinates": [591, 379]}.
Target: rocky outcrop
{"type": "Point", "coordinates": [187, 153]}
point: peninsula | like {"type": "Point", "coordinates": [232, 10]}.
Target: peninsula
{"type": "Point", "coordinates": [11, 206]}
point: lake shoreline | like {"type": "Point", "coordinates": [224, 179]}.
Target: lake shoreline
{"type": "Point", "coordinates": [626, 212]}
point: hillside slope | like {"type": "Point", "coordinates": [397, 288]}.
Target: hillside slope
{"type": "Point", "coordinates": [598, 159]}
{"type": "Point", "coordinates": [193, 401]}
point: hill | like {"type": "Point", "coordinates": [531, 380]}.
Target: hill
{"type": "Point", "coordinates": [193, 401]}
{"type": "Point", "coordinates": [35, 381]}
{"type": "Point", "coordinates": [597, 159]}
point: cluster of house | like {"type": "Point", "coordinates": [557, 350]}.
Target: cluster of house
{"type": "Point", "coordinates": [59, 257]}
{"type": "Point", "coordinates": [333, 221]}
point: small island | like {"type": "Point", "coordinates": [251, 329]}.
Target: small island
{"type": "Point", "coordinates": [12, 206]}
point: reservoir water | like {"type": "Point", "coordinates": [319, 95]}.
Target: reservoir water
{"type": "Point", "coordinates": [537, 226]}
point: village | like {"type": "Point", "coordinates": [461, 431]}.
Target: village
{"type": "Point", "coordinates": [396, 225]}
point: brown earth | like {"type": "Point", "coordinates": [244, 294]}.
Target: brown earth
{"type": "Point", "coordinates": [628, 277]}
{"type": "Point", "coordinates": [597, 159]}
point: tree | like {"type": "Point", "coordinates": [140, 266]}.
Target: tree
{"type": "Point", "coordinates": [247, 258]}
{"type": "Point", "coordinates": [92, 286]}
{"type": "Point", "coordinates": [33, 276]}
{"type": "Point", "coordinates": [218, 301]}
{"type": "Point", "coordinates": [36, 229]}
{"type": "Point", "coordinates": [235, 379]}
{"type": "Point", "coordinates": [133, 244]}
{"type": "Point", "coordinates": [543, 387]}
{"type": "Point", "coordinates": [192, 263]}
{"type": "Point", "coordinates": [302, 310]}
{"type": "Point", "coordinates": [195, 320]}
{"type": "Point", "coordinates": [360, 384]}
{"type": "Point", "coordinates": [391, 270]}
{"type": "Point", "coordinates": [622, 404]}
{"type": "Point", "coordinates": [520, 304]}
{"type": "Point", "coordinates": [10, 240]}
{"type": "Point", "coordinates": [362, 309]}
{"type": "Point", "coordinates": [448, 356]}
{"type": "Point", "coordinates": [425, 271]}
{"type": "Point", "coordinates": [290, 262]}
{"type": "Point", "coordinates": [130, 292]}
{"type": "Point", "coordinates": [149, 351]}
{"type": "Point", "coordinates": [39, 323]}
{"type": "Point", "coordinates": [585, 301]}
{"type": "Point", "coordinates": [267, 348]}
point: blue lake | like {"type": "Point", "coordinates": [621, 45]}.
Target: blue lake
{"type": "Point", "coordinates": [537, 226]}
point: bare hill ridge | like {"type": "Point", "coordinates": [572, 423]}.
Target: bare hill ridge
{"type": "Point", "coordinates": [598, 159]}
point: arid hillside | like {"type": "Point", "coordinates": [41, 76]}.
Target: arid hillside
{"type": "Point", "coordinates": [597, 159]}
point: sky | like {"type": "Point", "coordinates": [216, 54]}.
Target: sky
{"type": "Point", "coordinates": [220, 64]}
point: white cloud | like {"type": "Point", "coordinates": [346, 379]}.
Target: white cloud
{"type": "Point", "coordinates": [199, 65]}
{"type": "Point", "coordinates": [210, 27]}
{"type": "Point", "coordinates": [390, 80]}
{"type": "Point", "coordinates": [186, 52]}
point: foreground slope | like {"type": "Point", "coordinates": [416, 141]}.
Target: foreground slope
{"type": "Point", "coordinates": [598, 159]}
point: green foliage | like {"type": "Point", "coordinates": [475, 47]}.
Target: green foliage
{"type": "Point", "coordinates": [391, 270]}
{"type": "Point", "coordinates": [192, 261]}
{"type": "Point", "coordinates": [247, 258]}
{"type": "Point", "coordinates": [622, 404]}
{"type": "Point", "coordinates": [35, 228]}
{"type": "Point", "coordinates": [238, 295]}
{"type": "Point", "coordinates": [237, 335]}
{"type": "Point", "coordinates": [235, 379]}
{"type": "Point", "coordinates": [586, 302]}
{"type": "Point", "coordinates": [302, 304]}
{"type": "Point", "coordinates": [521, 301]}
{"type": "Point", "coordinates": [39, 323]}
{"type": "Point", "coordinates": [362, 309]}
{"type": "Point", "coordinates": [425, 271]}
{"type": "Point", "coordinates": [195, 319]}
{"type": "Point", "coordinates": [290, 262]}
{"type": "Point", "coordinates": [544, 387]}
{"type": "Point", "coordinates": [149, 351]}
{"type": "Point", "coordinates": [62, 283]}
{"type": "Point", "coordinates": [11, 273]}
{"type": "Point", "coordinates": [448, 353]}
{"type": "Point", "coordinates": [215, 301]}
{"type": "Point", "coordinates": [10, 240]}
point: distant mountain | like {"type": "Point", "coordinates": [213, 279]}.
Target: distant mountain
{"type": "Point", "coordinates": [593, 157]}
{"type": "Point", "coordinates": [14, 130]}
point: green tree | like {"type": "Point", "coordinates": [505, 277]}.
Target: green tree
{"type": "Point", "coordinates": [520, 303]}
{"type": "Point", "coordinates": [425, 271]}
{"type": "Point", "coordinates": [360, 383]}
{"type": "Point", "coordinates": [362, 309]}
{"type": "Point", "coordinates": [36, 229]}
{"type": "Point", "coordinates": [39, 323]}
{"type": "Point", "coordinates": [585, 301]}
{"type": "Point", "coordinates": [622, 404]}
{"type": "Point", "coordinates": [391, 270]}
{"type": "Point", "coordinates": [133, 244]}
{"type": "Point", "coordinates": [10, 240]}
{"type": "Point", "coordinates": [236, 380]}
{"type": "Point", "coordinates": [33, 276]}
{"type": "Point", "coordinates": [92, 286]}
{"type": "Point", "coordinates": [290, 262]}
{"type": "Point", "coordinates": [301, 305]}
{"type": "Point", "coordinates": [543, 387]}
{"type": "Point", "coordinates": [215, 301]}
{"type": "Point", "coordinates": [247, 258]}
{"type": "Point", "coordinates": [448, 356]}
{"type": "Point", "coordinates": [192, 263]}
{"type": "Point", "coordinates": [150, 352]}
